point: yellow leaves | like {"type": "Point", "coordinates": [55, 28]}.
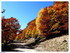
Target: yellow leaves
{"type": "Point", "coordinates": [42, 12]}
{"type": "Point", "coordinates": [49, 10]}
{"type": "Point", "coordinates": [37, 23]}
{"type": "Point", "coordinates": [55, 26]}
{"type": "Point", "coordinates": [16, 38]}
{"type": "Point", "coordinates": [64, 14]}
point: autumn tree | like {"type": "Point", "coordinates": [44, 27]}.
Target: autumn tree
{"type": "Point", "coordinates": [53, 19]}
{"type": "Point", "coordinates": [10, 27]}
{"type": "Point", "coordinates": [30, 29]}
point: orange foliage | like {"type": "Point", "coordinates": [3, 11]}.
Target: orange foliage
{"type": "Point", "coordinates": [53, 18]}
{"type": "Point", "coordinates": [10, 27]}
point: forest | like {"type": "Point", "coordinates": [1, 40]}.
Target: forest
{"type": "Point", "coordinates": [51, 22]}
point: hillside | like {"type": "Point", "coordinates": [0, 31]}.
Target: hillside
{"type": "Point", "coordinates": [51, 20]}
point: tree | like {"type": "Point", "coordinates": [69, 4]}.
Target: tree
{"type": "Point", "coordinates": [52, 19]}
{"type": "Point", "coordinates": [10, 27]}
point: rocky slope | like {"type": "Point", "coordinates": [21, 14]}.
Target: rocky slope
{"type": "Point", "coordinates": [55, 44]}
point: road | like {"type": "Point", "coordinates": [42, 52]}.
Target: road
{"type": "Point", "coordinates": [23, 47]}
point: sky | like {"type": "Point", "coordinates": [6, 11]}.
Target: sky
{"type": "Point", "coordinates": [24, 11]}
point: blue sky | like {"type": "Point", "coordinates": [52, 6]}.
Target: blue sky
{"type": "Point", "coordinates": [24, 11]}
